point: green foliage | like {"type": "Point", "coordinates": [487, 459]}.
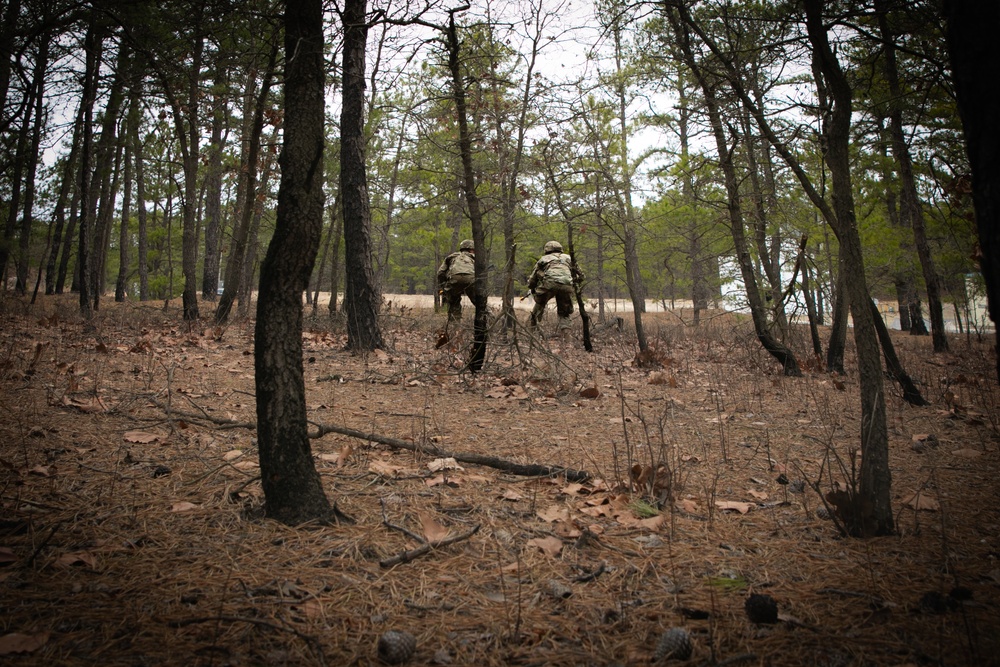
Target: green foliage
{"type": "Point", "coordinates": [731, 584]}
{"type": "Point", "coordinates": [606, 173]}
{"type": "Point", "coordinates": [643, 508]}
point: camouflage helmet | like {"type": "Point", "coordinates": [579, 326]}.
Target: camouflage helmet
{"type": "Point", "coordinates": [552, 246]}
{"type": "Point", "coordinates": [467, 244]}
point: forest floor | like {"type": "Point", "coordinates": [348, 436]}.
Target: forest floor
{"type": "Point", "coordinates": [131, 530]}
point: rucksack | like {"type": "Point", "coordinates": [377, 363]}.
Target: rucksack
{"type": "Point", "coordinates": [463, 263]}
{"type": "Point", "coordinates": [557, 270]}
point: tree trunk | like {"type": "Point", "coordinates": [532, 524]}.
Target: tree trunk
{"type": "Point", "coordinates": [873, 515]}
{"type": "Point", "coordinates": [363, 332]}
{"type": "Point", "coordinates": [167, 249]}
{"type": "Point", "coordinates": [903, 288]}
{"type": "Point", "coordinates": [633, 276]}
{"type": "Point", "coordinates": [902, 274]}
{"type": "Point", "coordinates": [840, 124]}
{"type": "Point", "coordinates": [510, 165]}
{"type": "Point", "coordinates": [140, 206]}
{"type": "Point", "coordinates": [123, 229]}
{"type": "Point", "coordinates": [910, 207]}
{"type": "Point", "coordinates": [570, 249]}
{"type": "Point", "coordinates": [699, 290]}
{"type": "Point", "coordinates": [8, 32]}
{"type": "Point", "coordinates": [253, 242]}
{"type": "Point", "coordinates": [102, 195]}
{"type": "Point", "coordinates": [246, 189]}
{"type": "Point", "coordinates": [910, 392]}
{"type": "Point", "coordinates": [384, 245]}
{"type": "Point", "coordinates": [975, 62]}
{"type": "Point", "coordinates": [185, 112]}
{"type": "Point", "coordinates": [838, 327]}
{"type": "Point", "coordinates": [324, 251]}
{"type": "Point", "coordinates": [102, 237]}
{"type": "Point", "coordinates": [807, 294]}
{"type": "Point", "coordinates": [768, 260]}
{"type": "Point", "coordinates": [70, 236]}
{"type": "Point", "coordinates": [13, 207]}
{"type": "Point", "coordinates": [34, 157]}
{"type": "Point", "coordinates": [599, 233]}
{"type": "Point", "coordinates": [190, 158]}
{"type": "Point", "coordinates": [93, 44]}
{"type": "Point", "coordinates": [480, 325]}
{"type": "Point", "coordinates": [213, 189]}
{"type": "Point", "coordinates": [337, 228]}
{"type": "Point", "coordinates": [292, 487]}
{"type": "Point", "coordinates": [67, 197]}
{"type": "Point", "coordinates": [780, 352]}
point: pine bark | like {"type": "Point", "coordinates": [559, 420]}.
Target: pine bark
{"type": "Point", "coordinates": [975, 62]}
{"type": "Point", "coordinates": [246, 191]}
{"type": "Point", "coordinates": [292, 487]}
{"type": "Point", "coordinates": [480, 325]}
{"type": "Point", "coordinates": [873, 514]}
{"type": "Point", "coordinates": [910, 207]}
{"type": "Point", "coordinates": [121, 283]}
{"type": "Point", "coordinates": [93, 43]}
{"type": "Point", "coordinates": [142, 248]}
{"type": "Point", "coordinates": [65, 199]}
{"type": "Point", "coordinates": [213, 191]}
{"type": "Point", "coordinates": [361, 297]}
{"type": "Point", "coordinates": [33, 154]}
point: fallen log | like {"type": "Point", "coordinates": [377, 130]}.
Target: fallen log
{"type": "Point", "coordinates": [521, 469]}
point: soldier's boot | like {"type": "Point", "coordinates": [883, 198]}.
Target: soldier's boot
{"type": "Point", "coordinates": [564, 329]}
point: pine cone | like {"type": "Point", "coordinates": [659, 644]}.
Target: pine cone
{"type": "Point", "coordinates": [674, 643]}
{"type": "Point", "coordinates": [396, 647]}
{"type": "Point", "coordinates": [761, 608]}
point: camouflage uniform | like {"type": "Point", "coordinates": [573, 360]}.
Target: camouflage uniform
{"type": "Point", "coordinates": [554, 276]}
{"type": "Point", "coordinates": [457, 276]}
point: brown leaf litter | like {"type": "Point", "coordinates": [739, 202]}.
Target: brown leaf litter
{"type": "Point", "coordinates": [131, 530]}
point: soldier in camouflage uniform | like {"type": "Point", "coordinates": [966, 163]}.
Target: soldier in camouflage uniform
{"type": "Point", "coordinates": [555, 275]}
{"type": "Point", "coordinates": [457, 276]}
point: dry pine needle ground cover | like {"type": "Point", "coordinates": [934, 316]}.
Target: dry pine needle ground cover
{"type": "Point", "coordinates": [130, 527]}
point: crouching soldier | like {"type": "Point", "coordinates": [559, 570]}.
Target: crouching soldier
{"type": "Point", "coordinates": [555, 275]}
{"type": "Point", "coordinates": [457, 276]}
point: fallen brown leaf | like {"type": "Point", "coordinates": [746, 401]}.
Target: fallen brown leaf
{"type": "Point", "coordinates": [433, 531]}
{"type": "Point", "coordinates": [553, 513]}
{"type": "Point", "coordinates": [550, 546]}
{"type": "Point", "coordinates": [736, 505]}
{"type": "Point", "coordinates": [920, 500]}
{"type": "Point", "coordinates": [653, 522]}
{"type": "Point", "coordinates": [78, 559]}
{"type": "Point", "coordinates": [183, 506]}
{"type": "Point", "coordinates": [17, 642]}
{"type": "Point", "coordinates": [967, 453]}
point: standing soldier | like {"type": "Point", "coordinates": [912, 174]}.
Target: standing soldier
{"type": "Point", "coordinates": [555, 275]}
{"type": "Point", "coordinates": [457, 276]}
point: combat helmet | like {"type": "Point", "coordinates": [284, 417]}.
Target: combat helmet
{"type": "Point", "coordinates": [467, 244]}
{"type": "Point", "coordinates": [552, 246]}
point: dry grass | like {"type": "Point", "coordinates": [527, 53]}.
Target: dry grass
{"type": "Point", "coordinates": [100, 563]}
